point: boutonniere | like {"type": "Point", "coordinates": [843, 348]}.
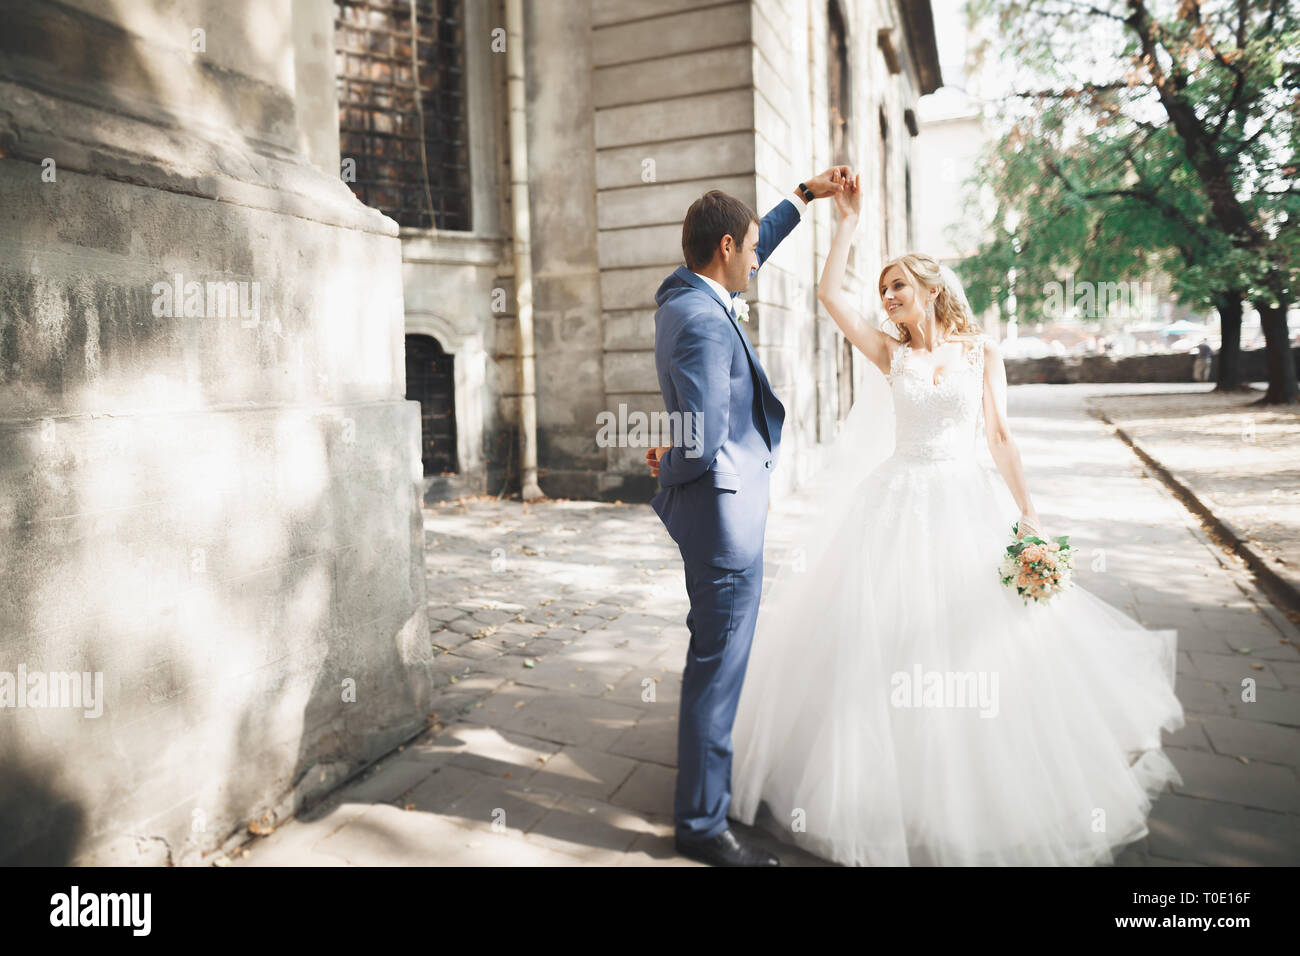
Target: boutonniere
{"type": "Point", "coordinates": [742, 309]}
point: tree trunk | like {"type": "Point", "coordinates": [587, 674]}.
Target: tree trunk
{"type": "Point", "coordinates": [1277, 352]}
{"type": "Point", "coordinates": [1229, 306]}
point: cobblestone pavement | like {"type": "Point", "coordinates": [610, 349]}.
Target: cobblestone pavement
{"type": "Point", "coordinates": [1241, 461]}
{"type": "Point", "coordinates": [563, 637]}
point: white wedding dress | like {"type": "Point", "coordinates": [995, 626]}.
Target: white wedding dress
{"type": "Point", "coordinates": [1052, 758]}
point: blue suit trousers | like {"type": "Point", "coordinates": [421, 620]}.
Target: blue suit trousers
{"type": "Point", "coordinates": [724, 610]}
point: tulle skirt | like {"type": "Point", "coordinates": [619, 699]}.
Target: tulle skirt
{"type": "Point", "coordinates": [902, 707]}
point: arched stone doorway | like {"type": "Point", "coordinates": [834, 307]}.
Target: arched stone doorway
{"type": "Point", "coordinates": [431, 381]}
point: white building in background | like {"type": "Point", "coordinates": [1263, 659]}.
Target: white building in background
{"type": "Point", "coordinates": [952, 132]}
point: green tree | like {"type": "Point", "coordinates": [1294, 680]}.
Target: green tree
{"type": "Point", "coordinates": [1176, 117]}
{"type": "Point", "coordinates": [1095, 208]}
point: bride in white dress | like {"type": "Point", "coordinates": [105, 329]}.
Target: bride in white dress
{"type": "Point", "coordinates": [901, 705]}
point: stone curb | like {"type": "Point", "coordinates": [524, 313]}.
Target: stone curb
{"type": "Point", "coordinates": [1281, 589]}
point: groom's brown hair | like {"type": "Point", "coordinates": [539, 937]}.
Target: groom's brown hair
{"type": "Point", "coordinates": [712, 216]}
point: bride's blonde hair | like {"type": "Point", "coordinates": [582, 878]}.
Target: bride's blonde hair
{"type": "Point", "coordinates": [952, 313]}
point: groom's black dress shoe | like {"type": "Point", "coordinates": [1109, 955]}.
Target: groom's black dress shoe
{"type": "Point", "coordinates": [725, 849]}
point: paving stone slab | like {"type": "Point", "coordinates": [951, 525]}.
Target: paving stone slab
{"type": "Point", "coordinates": [1237, 737]}
{"type": "Point", "coordinates": [1191, 736]}
{"type": "Point", "coordinates": [1200, 696]}
{"type": "Point", "coordinates": [583, 772]}
{"type": "Point", "coordinates": [477, 650]}
{"type": "Point", "coordinates": [387, 836]}
{"type": "Point", "coordinates": [649, 687]}
{"type": "Point", "coordinates": [1288, 672]}
{"type": "Point", "coordinates": [589, 680]}
{"type": "Point", "coordinates": [1230, 669]}
{"type": "Point", "coordinates": [653, 738]}
{"type": "Point", "coordinates": [499, 805]}
{"type": "Point", "coordinates": [494, 708]}
{"type": "Point", "coordinates": [446, 639]}
{"type": "Point", "coordinates": [1271, 706]}
{"type": "Point", "coordinates": [582, 721]}
{"type": "Point", "coordinates": [444, 614]}
{"type": "Point", "coordinates": [579, 825]}
{"type": "Point", "coordinates": [1185, 828]}
{"type": "Point", "coordinates": [498, 751]}
{"type": "Point", "coordinates": [1264, 786]}
{"type": "Point", "coordinates": [649, 789]}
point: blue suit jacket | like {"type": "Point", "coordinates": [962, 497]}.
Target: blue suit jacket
{"type": "Point", "coordinates": [715, 479]}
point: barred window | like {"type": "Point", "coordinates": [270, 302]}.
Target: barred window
{"type": "Point", "coordinates": [839, 86]}
{"type": "Point", "coordinates": [409, 149]}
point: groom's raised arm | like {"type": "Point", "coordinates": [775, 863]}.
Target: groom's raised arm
{"type": "Point", "coordinates": [775, 226]}
{"type": "Point", "coordinates": [701, 372]}
{"type": "Point", "coordinates": [785, 215]}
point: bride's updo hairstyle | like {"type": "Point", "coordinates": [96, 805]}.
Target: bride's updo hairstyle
{"type": "Point", "coordinates": [952, 312]}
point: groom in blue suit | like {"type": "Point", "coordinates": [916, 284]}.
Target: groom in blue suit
{"type": "Point", "coordinates": [714, 489]}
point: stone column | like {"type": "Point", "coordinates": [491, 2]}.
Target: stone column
{"type": "Point", "coordinates": [209, 470]}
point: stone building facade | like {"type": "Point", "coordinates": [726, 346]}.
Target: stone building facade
{"type": "Point", "coordinates": [212, 551]}
{"type": "Point", "coordinates": [634, 109]}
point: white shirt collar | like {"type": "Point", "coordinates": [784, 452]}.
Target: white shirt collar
{"type": "Point", "coordinates": [723, 294]}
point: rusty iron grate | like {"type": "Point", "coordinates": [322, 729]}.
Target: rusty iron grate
{"type": "Point", "coordinates": [380, 116]}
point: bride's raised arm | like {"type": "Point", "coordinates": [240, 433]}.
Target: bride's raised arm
{"type": "Point", "coordinates": [870, 341]}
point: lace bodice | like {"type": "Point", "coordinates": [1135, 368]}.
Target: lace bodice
{"type": "Point", "coordinates": [938, 422]}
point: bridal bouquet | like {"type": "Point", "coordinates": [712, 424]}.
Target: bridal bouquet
{"type": "Point", "coordinates": [1037, 569]}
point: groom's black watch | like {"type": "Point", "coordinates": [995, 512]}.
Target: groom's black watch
{"type": "Point", "coordinates": [806, 193]}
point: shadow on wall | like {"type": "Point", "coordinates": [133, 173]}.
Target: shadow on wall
{"type": "Point", "coordinates": [195, 507]}
{"type": "Point", "coordinates": [40, 823]}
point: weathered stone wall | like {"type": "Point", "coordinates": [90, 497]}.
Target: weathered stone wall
{"type": "Point", "coordinates": [458, 286]}
{"type": "Point", "coordinates": [674, 119]}
{"type": "Point", "coordinates": [217, 511]}
{"type": "Point", "coordinates": [677, 97]}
